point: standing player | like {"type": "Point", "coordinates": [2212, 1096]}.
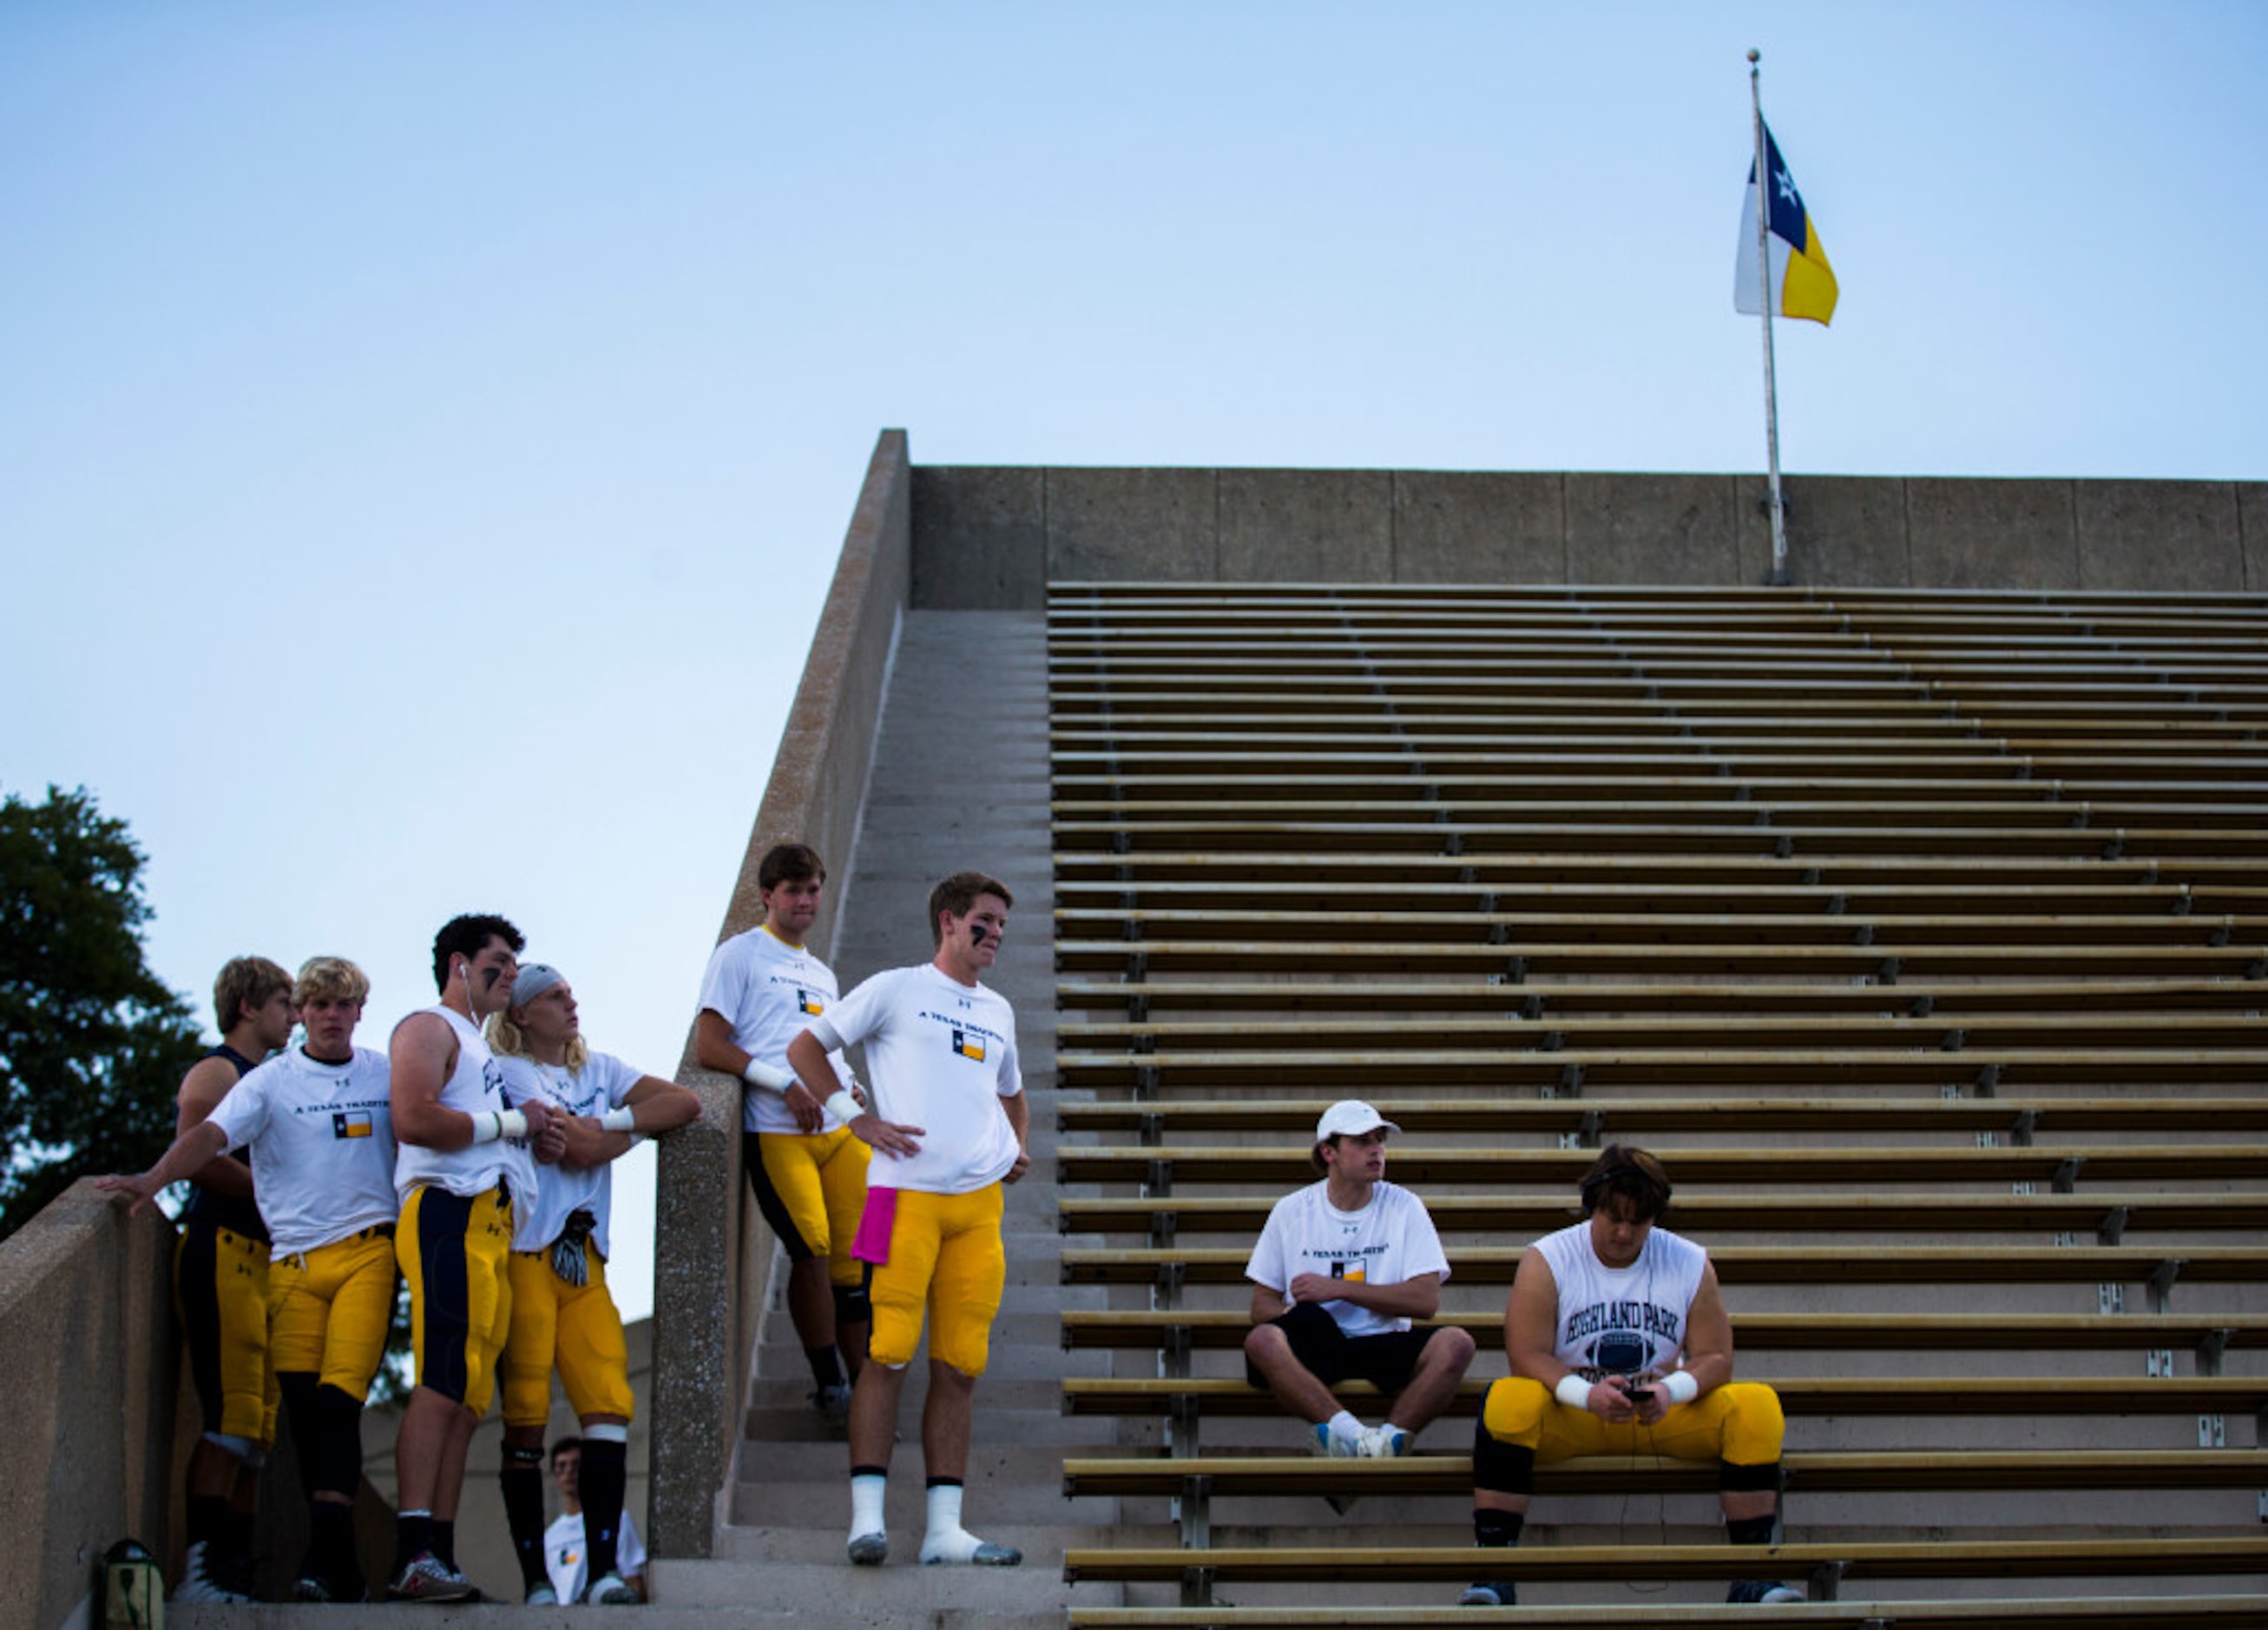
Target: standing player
{"type": "Point", "coordinates": [464, 1164]}
{"type": "Point", "coordinates": [562, 1541]}
{"type": "Point", "coordinates": [941, 1049]}
{"type": "Point", "coordinates": [807, 1170]}
{"type": "Point", "coordinates": [220, 1284]}
{"type": "Point", "coordinates": [316, 1122]}
{"type": "Point", "coordinates": [561, 1311]}
{"type": "Point", "coordinates": [1341, 1268]}
{"type": "Point", "coordinates": [1620, 1345]}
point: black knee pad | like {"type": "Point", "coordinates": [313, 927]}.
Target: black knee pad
{"type": "Point", "coordinates": [1733, 1479]}
{"type": "Point", "coordinates": [1501, 1468]}
{"type": "Point", "coordinates": [852, 1304]}
{"type": "Point", "coordinates": [338, 1443]}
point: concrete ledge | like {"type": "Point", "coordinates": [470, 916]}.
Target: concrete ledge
{"type": "Point", "coordinates": [88, 1344]}
{"type": "Point", "coordinates": [992, 538]}
{"type": "Point", "coordinates": [712, 1252]}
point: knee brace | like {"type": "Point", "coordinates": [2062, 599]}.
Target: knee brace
{"type": "Point", "coordinates": [1738, 1479]}
{"type": "Point", "coordinates": [852, 1304]}
{"type": "Point", "coordinates": [297, 1388]}
{"type": "Point", "coordinates": [338, 1452]}
{"type": "Point", "coordinates": [1501, 1468]}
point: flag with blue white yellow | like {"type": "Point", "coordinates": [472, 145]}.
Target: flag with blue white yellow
{"type": "Point", "coordinates": [1801, 281]}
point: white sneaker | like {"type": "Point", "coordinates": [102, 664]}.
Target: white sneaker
{"type": "Point", "coordinates": [1386, 1442]}
{"type": "Point", "coordinates": [198, 1584]}
{"type": "Point", "coordinates": [612, 1591]}
{"type": "Point", "coordinates": [542, 1596]}
{"type": "Point", "coordinates": [1330, 1444]}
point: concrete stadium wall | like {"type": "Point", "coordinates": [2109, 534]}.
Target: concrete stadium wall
{"type": "Point", "coordinates": [90, 1415]}
{"type": "Point", "coordinates": [994, 536]}
{"type": "Point", "coordinates": [712, 1252]}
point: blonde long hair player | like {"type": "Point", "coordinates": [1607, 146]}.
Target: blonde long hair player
{"type": "Point", "coordinates": [563, 1315]}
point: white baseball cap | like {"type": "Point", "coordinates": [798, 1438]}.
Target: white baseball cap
{"type": "Point", "coordinates": [1350, 1117]}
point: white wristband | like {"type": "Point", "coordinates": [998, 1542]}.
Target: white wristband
{"type": "Point", "coordinates": [844, 1107]}
{"type": "Point", "coordinates": [1574, 1391]}
{"type": "Point", "coordinates": [1681, 1386]}
{"type": "Point", "coordinates": [487, 1128]}
{"type": "Point", "coordinates": [623, 1119]}
{"type": "Point", "coordinates": [756, 1073]}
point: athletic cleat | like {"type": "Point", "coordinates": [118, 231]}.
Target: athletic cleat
{"type": "Point", "coordinates": [833, 1402]}
{"type": "Point", "coordinates": [868, 1550]}
{"type": "Point", "coordinates": [984, 1553]}
{"type": "Point", "coordinates": [1490, 1593]}
{"type": "Point", "coordinates": [612, 1591]}
{"type": "Point", "coordinates": [1762, 1590]}
{"type": "Point", "coordinates": [427, 1578]}
{"type": "Point", "coordinates": [1386, 1442]}
{"type": "Point", "coordinates": [541, 1595]}
{"type": "Point", "coordinates": [198, 1583]}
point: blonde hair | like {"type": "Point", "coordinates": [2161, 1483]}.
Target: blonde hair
{"type": "Point", "coordinates": [506, 1038]}
{"type": "Point", "coordinates": [332, 978]}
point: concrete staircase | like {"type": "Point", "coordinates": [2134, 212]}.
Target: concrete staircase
{"type": "Point", "coordinates": [960, 782]}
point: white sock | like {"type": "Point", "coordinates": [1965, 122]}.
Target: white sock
{"type": "Point", "coordinates": [866, 1491]}
{"type": "Point", "coordinates": [1346, 1428]}
{"type": "Point", "coordinates": [946, 1540]}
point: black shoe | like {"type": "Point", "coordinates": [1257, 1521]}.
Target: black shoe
{"type": "Point", "coordinates": [1754, 1590]}
{"type": "Point", "coordinates": [1490, 1593]}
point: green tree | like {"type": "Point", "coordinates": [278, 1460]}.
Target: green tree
{"type": "Point", "coordinates": [92, 1044]}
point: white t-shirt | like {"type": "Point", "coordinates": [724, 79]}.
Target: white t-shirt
{"type": "Point", "coordinates": [768, 990]}
{"type": "Point", "coordinates": [941, 1053]}
{"type": "Point", "coordinates": [322, 1146]}
{"type": "Point", "coordinates": [1387, 1241]}
{"type": "Point", "coordinates": [1622, 1321]}
{"type": "Point", "coordinates": [475, 1087]}
{"type": "Point", "coordinates": [563, 1553]}
{"type": "Point", "coordinates": [601, 1084]}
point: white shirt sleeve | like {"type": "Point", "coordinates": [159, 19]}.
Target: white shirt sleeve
{"type": "Point", "coordinates": [1421, 1243]}
{"type": "Point", "coordinates": [856, 1015]}
{"type": "Point", "coordinates": [630, 1550]}
{"type": "Point", "coordinates": [725, 983]}
{"type": "Point", "coordinates": [242, 1113]}
{"type": "Point", "coordinates": [1271, 1259]}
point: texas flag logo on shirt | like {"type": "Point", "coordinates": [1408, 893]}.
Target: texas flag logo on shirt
{"type": "Point", "coordinates": [807, 1001]}
{"type": "Point", "coordinates": [967, 1045]}
{"type": "Point", "coordinates": [350, 1124]}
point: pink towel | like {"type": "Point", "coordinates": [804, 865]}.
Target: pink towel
{"type": "Point", "coordinates": [873, 1241]}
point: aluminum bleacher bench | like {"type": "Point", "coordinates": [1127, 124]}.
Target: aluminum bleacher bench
{"type": "Point", "coordinates": [2057, 1166]}
{"type": "Point", "coordinates": [2108, 1218]}
{"type": "Point", "coordinates": [2074, 1612]}
{"type": "Point", "coordinates": [1590, 1121]}
{"type": "Point", "coordinates": [2210, 1335]}
{"type": "Point", "coordinates": [1763, 1264]}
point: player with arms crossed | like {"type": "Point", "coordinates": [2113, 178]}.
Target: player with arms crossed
{"type": "Point", "coordinates": [1342, 1269]}
{"type": "Point", "coordinates": [949, 1127]}
{"type": "Point", "coordinates": [562, 1312]}
{"type": "Point", "coordinates": [467, 1160]}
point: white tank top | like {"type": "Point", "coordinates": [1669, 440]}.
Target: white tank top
{"type": "Point", "coordinates": [475, 1087]}
{"type": "Point", "coordinates": [1622, 1321]}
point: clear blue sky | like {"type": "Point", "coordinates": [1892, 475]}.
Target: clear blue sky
{"type": "Point", "coordinates": [426, 430]}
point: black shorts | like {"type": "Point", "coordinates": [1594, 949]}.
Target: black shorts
{"type": "Point", "coordinates": [1331, 1356]}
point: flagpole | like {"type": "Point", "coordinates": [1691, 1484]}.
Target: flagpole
{"type": "Point", "coordinates": [1764, 302]}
